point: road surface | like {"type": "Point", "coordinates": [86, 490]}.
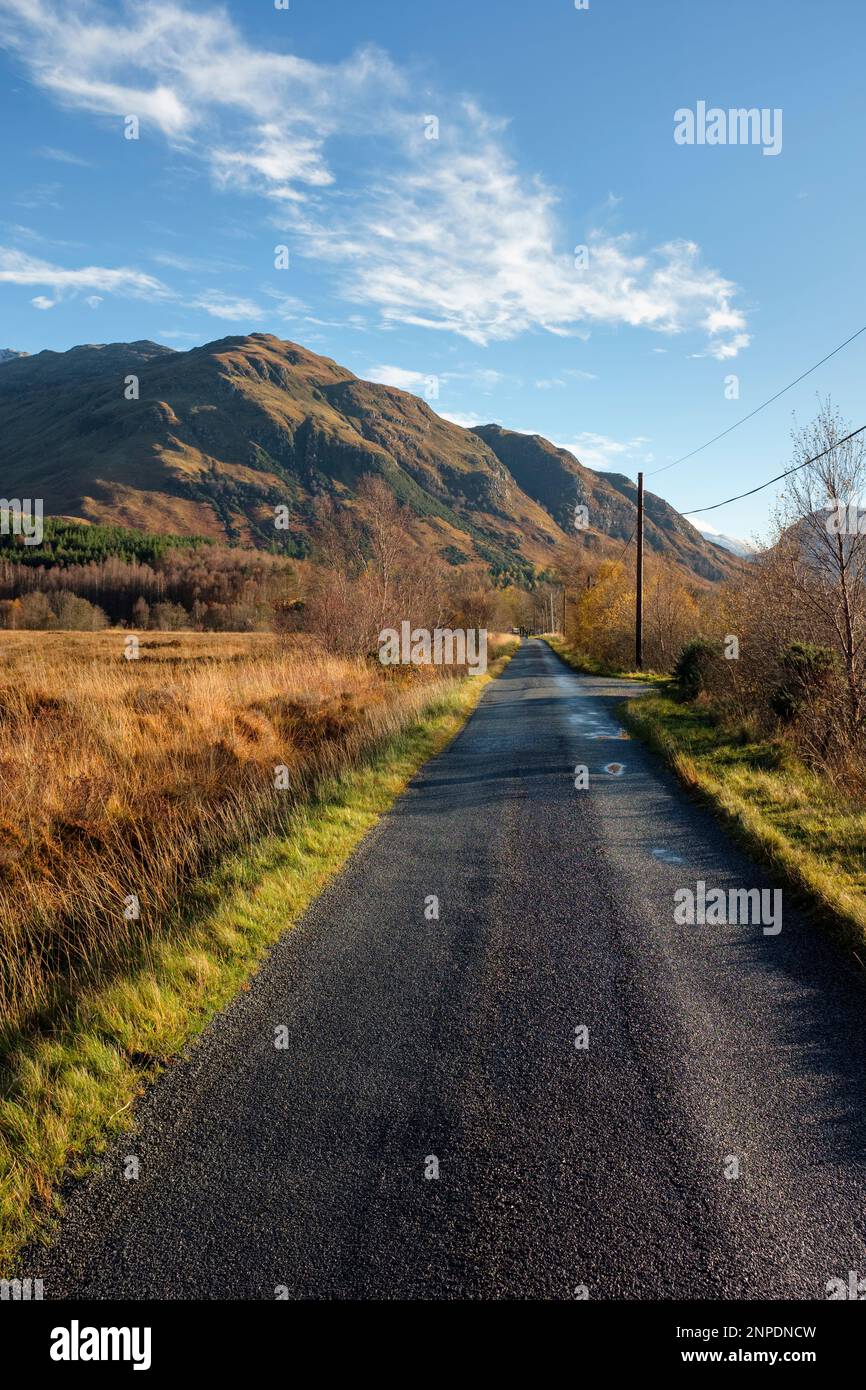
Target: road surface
{"type": "Point", "coordinates": [416, 1043]}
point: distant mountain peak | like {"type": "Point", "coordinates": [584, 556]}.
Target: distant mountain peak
{"type": "Point", "coordinates": [744, 549]}
{"type": "Point", "coordinates": [10, 354]}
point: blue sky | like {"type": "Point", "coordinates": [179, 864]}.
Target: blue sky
{"type": "Point", "coordinates": [447, 265]}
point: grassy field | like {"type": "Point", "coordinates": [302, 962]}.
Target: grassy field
{"type": "Point", "coordinates": [155, 778]}
{"type": "Point", "coordinates": [795, 820]}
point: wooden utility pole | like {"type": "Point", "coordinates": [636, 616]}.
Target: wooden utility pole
{"type": "Point", "coordinates": [638, 613]}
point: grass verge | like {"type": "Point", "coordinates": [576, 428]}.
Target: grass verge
{"type": "Point", "coordinates": [69, 1088]}
{"type": "Point", "coordinates": [791, 819]}
{"type": "Point", "coordinates": [589, 666]}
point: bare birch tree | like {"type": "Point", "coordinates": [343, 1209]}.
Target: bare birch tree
{"type": "Point", "coordinates": [828, 564]}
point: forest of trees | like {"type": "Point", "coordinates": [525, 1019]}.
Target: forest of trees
{"type": "Point", "coordinates": [365, 567]}
{"type": "Point", "coordinates": [211, 587]}
{"type": "Point", "coordinates": [67, 542]}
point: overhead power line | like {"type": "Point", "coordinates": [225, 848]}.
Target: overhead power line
{"type": "Point", "coordinates": [693, 511]}
{"type": "Point", "coordinates": [759, 408]}
{"type": "Point", "coordinates": [618, 561]}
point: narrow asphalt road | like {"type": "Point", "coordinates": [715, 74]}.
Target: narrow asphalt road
{"type": "Point", "coordinates": [411, 1040]}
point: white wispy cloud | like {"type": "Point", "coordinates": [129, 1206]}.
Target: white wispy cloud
{"type": "Point", "coordinates": [273, 164]}
{"type": "Point", "coordinates": [467, 421]}
{"type": "Point", "coordinates": [62, 156]}
{"type": "Point", "coordinates": [723, 349]}
{"type": "Point", "coordinates": [288, 306]}
{"type": "Point", "coordinates": [42, 195]}
{"type": "Point", "coordinates": [186, 334]}
{"type": "Point", "coordinates": [226, 306]}
{"type": "Point", "coordinates": [19, 268]}
{"type": "Point", "coordinates": [601, 452]}
{"type": "Point", "coordinates": [21, 233]}
{"type": "Point", "coordinates": [448, 234]}
{"type": "Point", "coordinates": [402, 377]}
{"type": "Point", "coordinates": [484, 379]}
{"type": "Point", "coordinates": [354, 321]}
{"type": "Point", "coordinates": [570, 374]}
{"type": "Point", "coordinates": [195, 265]}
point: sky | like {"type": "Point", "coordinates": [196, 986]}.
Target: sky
{"type": "Point", "coordinates": [499, 206]}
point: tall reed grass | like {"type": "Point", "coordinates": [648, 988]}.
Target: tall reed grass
{"type": "Point", "coordinates": [121, 779]}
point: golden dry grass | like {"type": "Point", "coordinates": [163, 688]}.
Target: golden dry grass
{"type": "Point", "coordinates": [72, 1082]}
{"type": "Point", "coordinates": [122, 779]}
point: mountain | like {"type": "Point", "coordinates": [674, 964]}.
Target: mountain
{"type": "Point", "coordinates": [207, 442]}
{"type": "Point", "coordinates": [556, 479]}
{"type": "Point", "coordinates": [9, 355]}
{"type": "Point", "coordinates": [731, 543]}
